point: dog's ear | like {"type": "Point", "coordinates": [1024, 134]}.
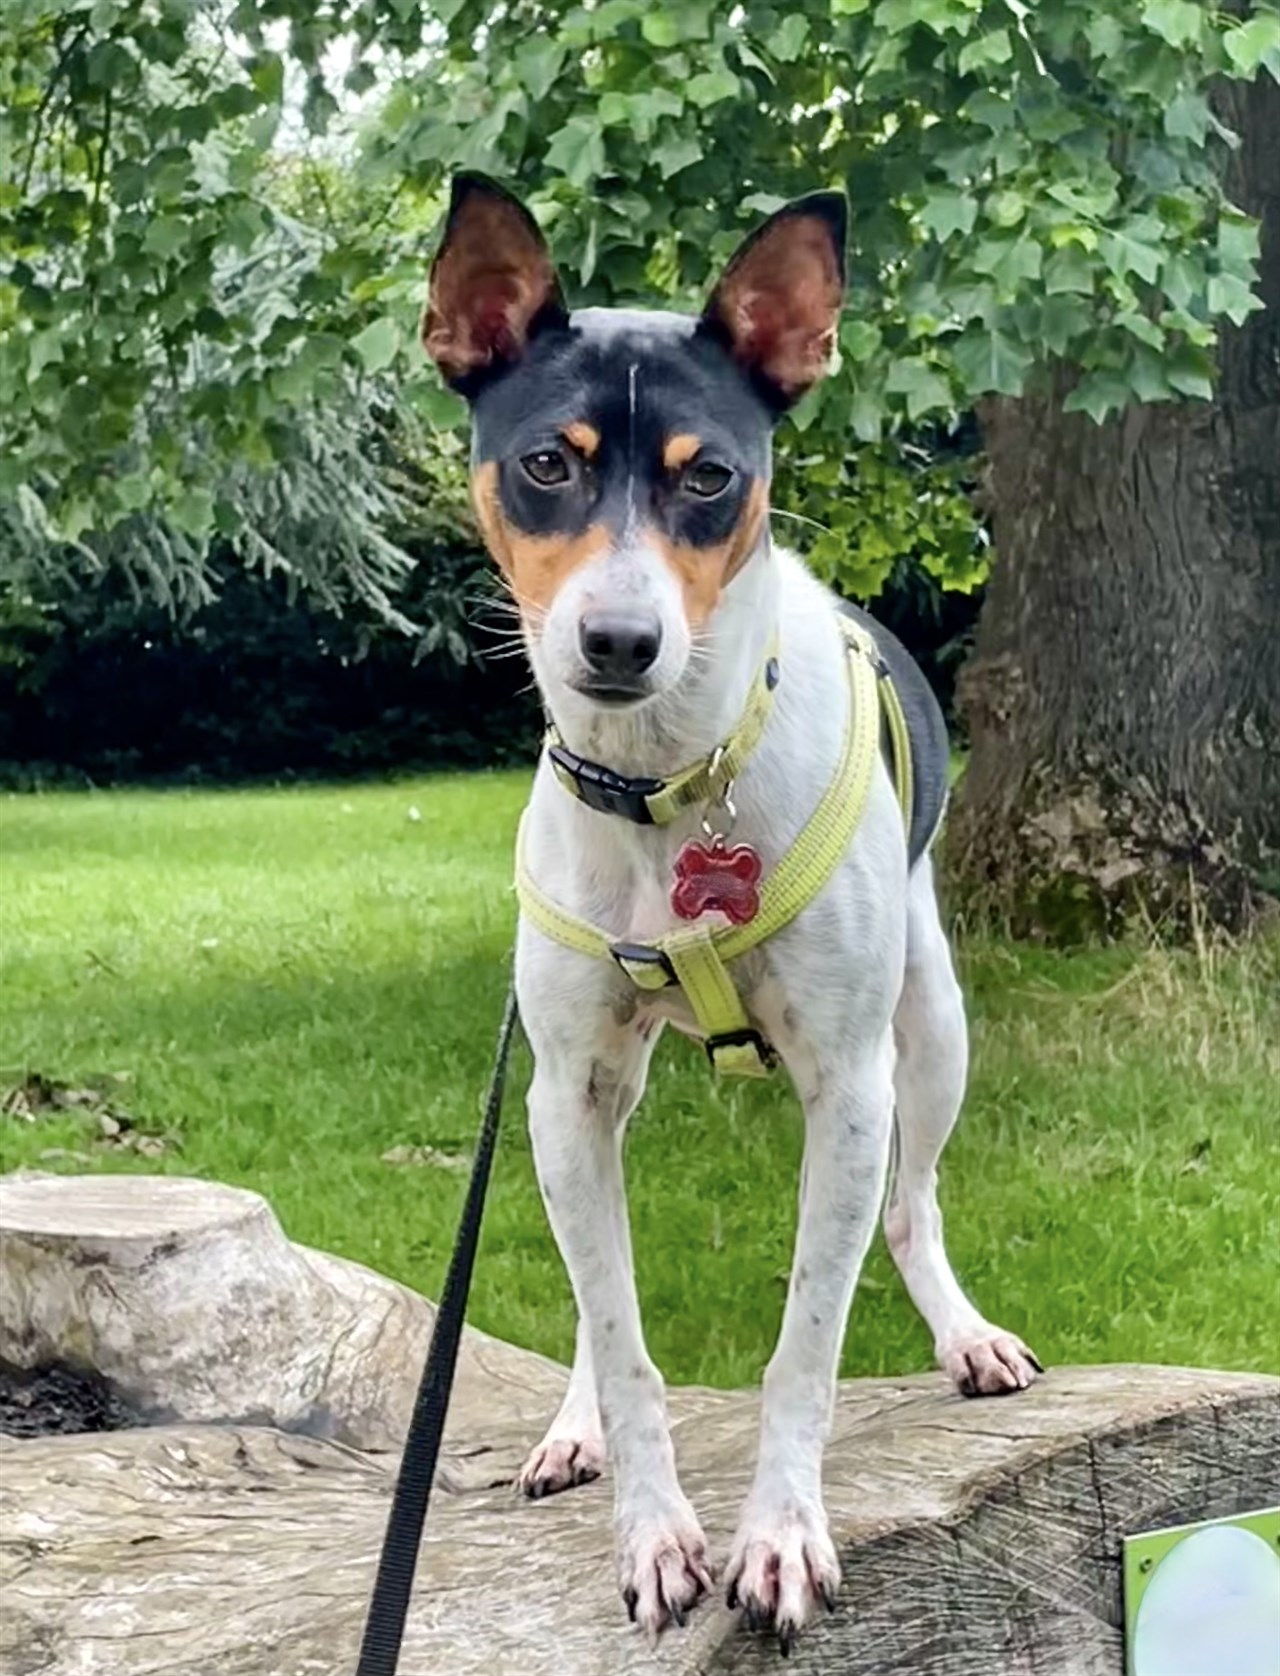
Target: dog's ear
{"type": "Point", "coordinates": [777, 305]}
{"type": "Point", "coordinates": [492, 287]}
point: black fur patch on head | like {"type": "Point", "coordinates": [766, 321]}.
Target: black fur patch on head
{"type": "Point", "coordinates": [637, 380]}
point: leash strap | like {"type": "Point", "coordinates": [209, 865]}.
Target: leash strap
{"type": "Point", "coordinates": [389, 1606]}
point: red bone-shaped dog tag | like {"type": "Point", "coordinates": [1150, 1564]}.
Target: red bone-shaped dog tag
{"type": "Point", "coordinates": [716, 877]}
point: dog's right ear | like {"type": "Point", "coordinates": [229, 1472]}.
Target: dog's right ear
{"type": "Point", "coordinates": [493, 285]}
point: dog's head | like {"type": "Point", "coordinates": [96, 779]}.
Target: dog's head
{"type": "Point", "coordinates": [621, 460]}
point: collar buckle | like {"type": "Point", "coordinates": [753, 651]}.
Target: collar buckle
{"type": "Point", "coordinates": [603, 790]}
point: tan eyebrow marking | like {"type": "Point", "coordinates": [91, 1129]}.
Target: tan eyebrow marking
{"type": "Point", "coordinates": [679, 449]}
{"type": "Point", "coordinates": [585, 438]}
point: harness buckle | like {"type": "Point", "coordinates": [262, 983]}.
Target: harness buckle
{"type": "Point", "coordinates": [646, 966]}
{"type": "Point", "coordinates": [741, 1052]}
{"type": "Point", "coordinates": [603, 790]}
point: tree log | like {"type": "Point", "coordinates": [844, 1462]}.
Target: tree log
{"type": "Point", "coordinates": [185, 1298]}
{"type": "Point", "coordinates": [976, 1537]}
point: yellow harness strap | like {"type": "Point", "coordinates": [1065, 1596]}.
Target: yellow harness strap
{"type": "Point", "coordinates": [694, 957]}
{"type": "Point", "coordinates": [657, 802]}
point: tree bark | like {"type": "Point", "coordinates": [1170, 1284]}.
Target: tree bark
{"type": "Point", "coordinates": [1123, 701]}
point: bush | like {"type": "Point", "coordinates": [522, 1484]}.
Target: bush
{"type": "Point", "coordinates": [264, 685]}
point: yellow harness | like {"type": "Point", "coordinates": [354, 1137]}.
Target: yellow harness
{"type": "Point", "coordinates": [695, 957]}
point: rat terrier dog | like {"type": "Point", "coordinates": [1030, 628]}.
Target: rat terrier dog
{"type": "Point", "coordinates": [621, 470]}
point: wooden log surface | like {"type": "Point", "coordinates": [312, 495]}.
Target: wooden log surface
{"type": "Point", "coordinates": [977, 1538]}
{"type": "Point", "coordinates": [186, 1297]}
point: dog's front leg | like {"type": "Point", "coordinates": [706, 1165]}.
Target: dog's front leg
{"type": "Point", "coordinates": [783, 1561]}
{"type": "Point", "coordinates": [578, 1103]}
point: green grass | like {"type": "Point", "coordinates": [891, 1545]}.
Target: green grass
{"type": "Point", "coordinates": [296, 981]}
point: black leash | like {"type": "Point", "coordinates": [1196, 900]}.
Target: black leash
{"type": "Point", "coordinates": [384, 1626]}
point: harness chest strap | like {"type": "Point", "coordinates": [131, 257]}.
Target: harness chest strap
{"type": "Point", "coordinates": [695, 957]}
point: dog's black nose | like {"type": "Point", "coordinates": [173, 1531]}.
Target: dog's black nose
{"type": "Point", "coordinates": [619, 645]}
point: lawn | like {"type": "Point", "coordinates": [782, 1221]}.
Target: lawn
{"type": "Point", "coordinates": [293, 983]}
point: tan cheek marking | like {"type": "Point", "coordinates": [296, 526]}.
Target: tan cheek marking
{"type": "Point", "coordinates": [679, 449]}
{"type": "Point", "coordinates": [534, 565]}
{"type": "Point", "coordinates": [704, 571]}
{"type": "Point", "coordinates": [585, 438]}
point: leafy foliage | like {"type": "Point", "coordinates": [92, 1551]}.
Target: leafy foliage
{"type": "Point", "coordinates": [196, 287]}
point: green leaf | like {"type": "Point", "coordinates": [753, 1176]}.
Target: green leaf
{"type": "Point", "coordinates": [165, 234]}
{"type": "Point", "coordinates": [1254, 43]}
{"type": "Point", "coordinates": [763, 203]}
{"type": "Point", "coordinates": [538, 63]}
{"type": "Point", "coordinates": [1187, 118]}
{"type": "Point", "coordinates": [992, 48]}
{"type": "Point", "coordinates": [922, 385]}
{"type": "Point", "coordinates": [712, 86]}
{"type": "Point", "coordinates": [1098, 393]}
{"type": "Point", "coordinates": [1063, 319]}
{"type": "Point", "coordinates": [1105, 37]}
{"type": "Point", "coordinates": [660, 29]}
{"type": "Point", "coordinates": [1147, 377]}
{"type": "Point", "coordinates": [1009, 261]}
{"type": "Point", "coordinates": [577, 151]}
{"type": "Point", "coordinates": [989, 109]}
{"type": "Point", "coordinates": [1068, 270]}
{"type": "Point", "coordinates": [1006, 208]}
{"type": "Point", "coordinates": [676, 153]}
{"type": "Point", "coordinates": [972, 299]}
{"type": "Point", "coordinates": [1142, 327]}
{"type": "Point", "coordinates": [1231, 296]}
{"type": "Point", "coordinates": [942, 16]}
{"type": "Point", "coordinates": [946, 212]}
{"type": "Point", "coordinates": [1182, 279]}
{"type": "Point", "coordinates": [1127, 250]}
{"type": "Point", "coordinates": [1190, 370]}
{"type": "Point", "coordinates": [1239, 241]}
{"type": "Point", "coordinates": [1176, 21]}
{"type": "Point", "coordinates": [992, 361]}
{"type": "Point", "coordinates": [377, 344]}
{"type": "Point", "coordinates": [192, 511]}
{"type": "Point", "coordinates": [866, 416]}
{"type": "Point", "coordinates": [44, 350]}
{"type": "Point", "coordinates": [859, 339]}
{"type": "Point", "coordinates": [787, 40]}
{"type": "Point", "coordinates": [849, 8]}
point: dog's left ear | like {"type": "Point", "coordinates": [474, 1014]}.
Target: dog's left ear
{"type": "Point", "coordinates": [777, 305]}
{"type": "Point", "coordinates": [493, 285]}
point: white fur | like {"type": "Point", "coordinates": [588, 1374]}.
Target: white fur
{"type": "Point", "coordinates": [864, 962]}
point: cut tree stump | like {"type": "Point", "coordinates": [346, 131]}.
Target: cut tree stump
{"type": "Point", "coordinates": [977, 1538]}
{"type": "Point", "coordinates": [186, 1298]}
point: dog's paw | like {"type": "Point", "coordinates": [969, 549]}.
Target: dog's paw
{"type": "Point", "coordinates": [990, 1363]}
{"type": "Point", "coordinates": [560, 1463]}
{"type": "Point", "coordinates": [782, 1566]}
{"type": "Point", "coordinates": [662, 1564]}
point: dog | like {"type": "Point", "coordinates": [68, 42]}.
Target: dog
{"type": "Point", "coordinates": [620, 475]}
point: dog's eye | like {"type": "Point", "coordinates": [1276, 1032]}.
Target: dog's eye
{"type": "Point", "coordinates": [707, 479]}
{"type": "Point", "coordinates": [547, 467]}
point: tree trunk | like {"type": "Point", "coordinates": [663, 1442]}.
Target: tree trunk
{"type": "Point", "coordinates": [1124, 697]}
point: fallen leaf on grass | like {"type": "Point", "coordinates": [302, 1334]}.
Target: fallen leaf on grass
{"type": "Point", "coordinates": [37, 1097]}
{"type": "Point", "coordinates": [430, 1156]}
